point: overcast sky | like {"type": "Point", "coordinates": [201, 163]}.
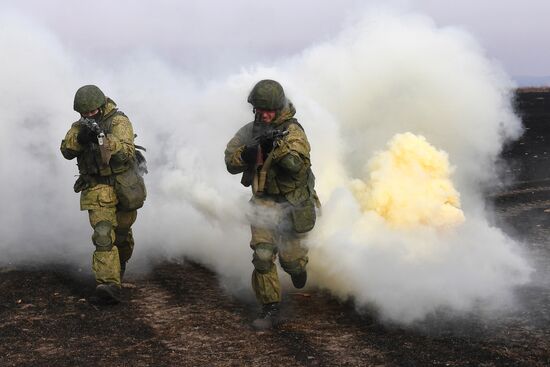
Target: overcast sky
{"type": "Point", "coordinates": [213, 37]}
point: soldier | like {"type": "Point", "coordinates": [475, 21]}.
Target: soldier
{"type": "Point", "coordinates": [273, 154]}
{"type": "Point", "coordinates": [111, 189]}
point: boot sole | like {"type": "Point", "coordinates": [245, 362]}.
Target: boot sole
{"type": "Point", "coordinates": [105, 296]}
{"type": "Point", "coordinates": [299, 283]}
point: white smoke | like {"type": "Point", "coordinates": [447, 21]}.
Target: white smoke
{"type": "Point", "coordinates": [388, 73]}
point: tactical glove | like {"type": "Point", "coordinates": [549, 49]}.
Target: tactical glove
{"type": "Point", "coordinates": [86, 136]}
{"type": "Point", "coordinates": [249, 154]}
{"type": "Point", "coordinates": [266, 142]}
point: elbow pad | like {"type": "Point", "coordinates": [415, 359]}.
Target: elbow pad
{"type": "Point", "coordinates": [69, 153]}
{"type": "Point", "coordinates": [291, 163]}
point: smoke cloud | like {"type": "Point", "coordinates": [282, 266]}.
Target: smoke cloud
{"type": "Point", "coordinates": [387, 73]}
{"type": "Point", "coordinates": [409, 185]}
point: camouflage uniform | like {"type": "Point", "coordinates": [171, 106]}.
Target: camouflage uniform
{"type": "Point", "coordinates": [289, 186]}
{"type": "Point", "coordinates": [112, 227]}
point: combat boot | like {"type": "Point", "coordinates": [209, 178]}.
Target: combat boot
{"type": "Point", "coordinates": [299, 280]}
{"type": "Point", "coordinates": [107, 294]}
{"type": "Point", "coordinates": [268, 317]}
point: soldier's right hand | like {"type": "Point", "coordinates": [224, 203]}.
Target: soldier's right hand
{"type": "Point", "coordinates": [86, 136]}
{"type": "Point", "coordinates": [249, 154]}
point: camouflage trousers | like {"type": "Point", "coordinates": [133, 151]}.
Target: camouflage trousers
{"type": "Point", "coordinates": [100, 201]}
{"type": "Point", "coordinates": [272, 237]}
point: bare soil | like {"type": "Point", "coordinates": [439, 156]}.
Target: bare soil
{"type": "Point", "coordinates": [178, 315]}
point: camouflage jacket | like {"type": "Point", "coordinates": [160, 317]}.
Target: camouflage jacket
{"type": "Point", "coordinates": [289, 175]}
{"type": "Point", "coordinates": [119, 140]}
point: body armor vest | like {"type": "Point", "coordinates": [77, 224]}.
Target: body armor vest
{"type": "Point", "coordinates": [89, 162]}
{"type": "Point", "coordinates": [295, 187]}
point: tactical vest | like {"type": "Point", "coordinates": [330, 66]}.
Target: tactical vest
{"type": "Point", "coordinates": [295, 187]}
{"type": "Point", "coordinates": [89, 162]}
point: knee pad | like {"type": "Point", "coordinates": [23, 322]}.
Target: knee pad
{"type": "Point", "coordinates": [292, 267]}
{"type": "Point", "coordinates": [264, 254]}
{"type": "Point", "coordinates": [102, 236]}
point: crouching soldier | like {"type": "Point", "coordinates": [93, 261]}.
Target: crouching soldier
{"type": "Point", "coordinates": [110, 184]}
{"type": "Point", "coordinates": [273, 154]}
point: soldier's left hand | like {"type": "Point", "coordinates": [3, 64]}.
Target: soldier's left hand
{"type": "Point", "coordinates": [266, 141]}
{"type": "Point", "coordinates": [86, 136]}
{"type": "Point", "coordinates": [267, 145]}
{"type": "Point", "coordinates": [249, 154]}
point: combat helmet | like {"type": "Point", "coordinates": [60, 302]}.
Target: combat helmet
{"type": "Point", "coordinates": [88, 98]}
{"type": "Point", "coordinates": [267, 95]}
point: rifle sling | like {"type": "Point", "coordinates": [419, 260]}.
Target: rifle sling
{"type": "Point", "coordinates": [260, 179]}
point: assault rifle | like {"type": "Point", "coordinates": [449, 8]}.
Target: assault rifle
{"type": "Point", "coordinates": [104, 150]}
{"type": "Point", "coordinates": [91, 125]}
{"type": "Point", "coordinates": [261, 167]}
{"type": "Point", "coordinates": [271, 135]}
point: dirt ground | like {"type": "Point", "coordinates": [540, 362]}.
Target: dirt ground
{"type": "Point", "coordinates": [179, 316]}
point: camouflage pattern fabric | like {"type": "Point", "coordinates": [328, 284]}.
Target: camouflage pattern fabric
{"type": "Point", "coordinates": [292, 255]}
{"type": "Point", "coordinates": [294, 186]}
{"type": "Point", "coordinates": [124, 239]}
{"type": "Point", "coordinates": [100, 199]}
{"type": "Point", "coordinates": [106, 264]}
{"type": "Point", "coordinates": [284, 189]}
{"type": "Point", "coordinates": [120, 140]}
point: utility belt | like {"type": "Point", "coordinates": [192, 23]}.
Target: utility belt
{"type": "Point", "coordinates": [86, 181]}
{"type": "Point", "coordinates": [129, 187]}
{"type": "Point", "coordinates": [105, 180]}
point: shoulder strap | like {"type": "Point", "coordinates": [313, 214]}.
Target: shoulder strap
{"type": "Point", "coordinates": [107, 124]}
{"type": "Point", "coordinates": [287, 123]}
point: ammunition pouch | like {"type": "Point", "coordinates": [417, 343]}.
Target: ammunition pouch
{"type": "Point", "coordinates": [130, 190]}
{"type": "Point", "coordinates": [303, 216]}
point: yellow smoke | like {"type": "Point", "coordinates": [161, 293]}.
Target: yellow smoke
{"type": "Point", "coordinates": [409, 185]}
